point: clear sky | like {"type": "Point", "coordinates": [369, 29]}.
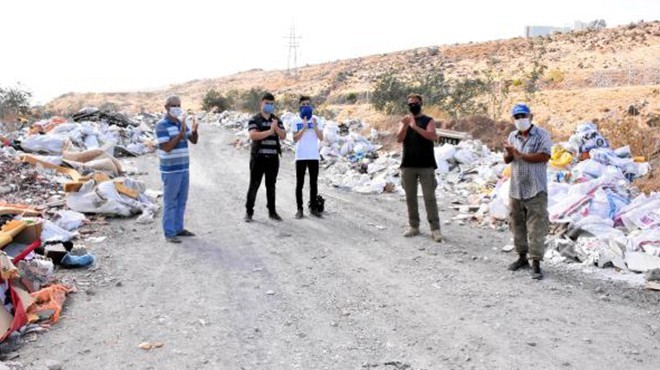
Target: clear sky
{"type": "Point", "coordinates": [57, 46]}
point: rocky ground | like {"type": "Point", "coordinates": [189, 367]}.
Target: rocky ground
{"type": "Point", "coordinates": [342, 292]}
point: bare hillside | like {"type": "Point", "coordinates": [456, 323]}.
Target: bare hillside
{"type": "Point", "coordinates": [588, 75]}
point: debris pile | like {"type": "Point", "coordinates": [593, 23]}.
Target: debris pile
{"type": "Point", "coordinates": [60, 178]}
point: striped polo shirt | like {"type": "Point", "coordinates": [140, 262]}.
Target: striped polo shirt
{"type": "Point", "coordinates": [529, 179]}
{"type": "Point", "coordinates": [270, 146]}
{"type": "Point", "coordinates": [176, 160]}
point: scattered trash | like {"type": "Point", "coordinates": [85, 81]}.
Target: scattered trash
{"type": "Point", "coordinates": [147, 346]}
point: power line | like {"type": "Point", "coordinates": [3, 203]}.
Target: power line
{"type": "Point", "coordinates": [292, 68]}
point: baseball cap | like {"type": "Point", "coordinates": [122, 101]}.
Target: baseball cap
{"type": "Point", "coordinates": [520, 109]}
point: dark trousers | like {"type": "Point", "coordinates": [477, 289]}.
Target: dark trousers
{"type": "Point", "coordinates": [260, 166]}
{"type": "Point", "coordinates": [301, 167]}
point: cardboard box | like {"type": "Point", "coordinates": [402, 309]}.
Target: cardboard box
{"type": "Point", "coordinates": [31, 233]}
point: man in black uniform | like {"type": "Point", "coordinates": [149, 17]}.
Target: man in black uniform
{"type": "Point", "coordinates": [417, 133]}
{"type": "Point", "coordinates": [265, 131]}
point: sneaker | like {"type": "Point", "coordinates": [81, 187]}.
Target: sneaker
{"type": "Point", "coordinates": [274, 216]}
{"type": "Point", "coordinates": [185, 232]}
{"type": "Point", "coordinates": [173, 239]}
{"type": "Point", "coordinates": [436, 235]}
{"type": "Point", "coordinates": [299, 214]}
{"type": "Point", "coordinates": [537, 274]}
{"type": "Point", "coordinates": [247, 217]}
{"type": "Point", "coordinates": [521, 262]}
{"type": "Point", "coordinates": [412, 231]}
{"type": "Point", "coordinates": [315, 213]}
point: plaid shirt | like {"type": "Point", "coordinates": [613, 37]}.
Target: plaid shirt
{"type": "Point", "coordinates": [529, 179]}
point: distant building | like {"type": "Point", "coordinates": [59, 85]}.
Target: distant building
{"type": "Point", "coordinates": [535, 31]}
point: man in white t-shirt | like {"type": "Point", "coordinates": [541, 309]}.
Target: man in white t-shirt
{"type": "Point", "coordinates": [307, 132]}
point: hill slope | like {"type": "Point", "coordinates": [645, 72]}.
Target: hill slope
{"type": "Point", "coordinates": [589, 75]}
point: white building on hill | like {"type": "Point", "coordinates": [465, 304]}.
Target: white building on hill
{"type": "Point", "coordinates": [535, 31]}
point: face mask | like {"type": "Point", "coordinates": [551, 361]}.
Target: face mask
{"type": "Point", "coordinates": [523, 124]}
{"type": "Point", "coordinates": [415, 108]}
{"type": "Point", "coordinates": [269, 108]}
{"type": "Point", "coordinates": [176, 112]}
{"type": "Point", "coordinates": [306, 112]}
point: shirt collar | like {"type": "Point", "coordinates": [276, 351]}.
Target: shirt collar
{"type": "Point", "coordinates": [532, 131]}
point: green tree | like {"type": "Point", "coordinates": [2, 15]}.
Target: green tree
{"type": "Point", "coordinates": [250, 99]}
{"type": "Point", "coordinates": [497, 87]}
{"type": "Point", "coordinates": [213, 100]}
{"type": "Point", "coordinates": [14, 101]}
{"type": "Point", "coordinates": [389, 94]}
{"type": "Point", "coordinates": [462, 98]}
{"type": "Point", "coordinates": [535, 75]}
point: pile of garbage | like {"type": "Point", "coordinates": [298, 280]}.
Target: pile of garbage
{"type": "Point", "coordinates": [57, 135]}
{"type": "Point", "coordinates": [350, 160]}
{"type": "Point", "coordinates": [599, 216]}
{"type": "Point", "coordinates": [60, 177]}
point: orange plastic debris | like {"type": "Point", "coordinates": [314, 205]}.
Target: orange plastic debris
{"type": "Point", "coordinates": [639, 159]}
{"type": "Point", "coordinates": [42, 129]}
{"type": "Point", "coordinates": [49, 299]}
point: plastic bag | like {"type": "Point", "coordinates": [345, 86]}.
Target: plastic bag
{"type": "Point", "coordinates": [51, 144]}
{"type": "Point", "coordinates": [70, 220]}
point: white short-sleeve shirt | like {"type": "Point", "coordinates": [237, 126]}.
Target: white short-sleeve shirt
{"type": "Point", "coordinates": [307, 148]}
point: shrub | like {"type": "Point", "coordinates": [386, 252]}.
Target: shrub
{"type": "Point", "coordinates": [214, 101]}
{"type": "Point", "coordinates": [14, 101]}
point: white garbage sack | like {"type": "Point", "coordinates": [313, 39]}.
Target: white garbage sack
{"type": "Point", "coordinates": [647, 241]}
{"type": "Point", "coordinates": [443, 167]}
{"type": "Point", "coordinates": [465, 156]}
{"type": "Point", "coordinates": [499, 207]}
{"type": "Point", "coordinates": [53, 233]}
{"type": "Point", "coordinates": [445, 153]}
{"type": "Point", "coordinates": [51, 144]}
{"type": "Point", "coordinates": [642, 213]}
{"type": "Point", "coordinates": [88, 200]}
{"type": "Point", "coordinates": [70, 220]}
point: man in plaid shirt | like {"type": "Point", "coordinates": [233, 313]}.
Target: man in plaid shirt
{"type": "Point", "coordinates": [528, 149]}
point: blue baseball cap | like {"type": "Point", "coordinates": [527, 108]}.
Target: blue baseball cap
{"type": "Point", "coordinates": [520, 109]}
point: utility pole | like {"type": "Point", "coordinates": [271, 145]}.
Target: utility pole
{"type": "Point", "coordinates": [292, 68]}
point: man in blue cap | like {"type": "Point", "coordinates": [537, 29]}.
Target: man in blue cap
{"type": "Point", "coordinates": [528, 150]}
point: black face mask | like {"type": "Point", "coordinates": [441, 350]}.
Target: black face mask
{"type": "Point", "coordinates": [415, 108]}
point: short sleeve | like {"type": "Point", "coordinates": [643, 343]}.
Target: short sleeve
{"type": "Point", "coordinates": [253, 125]}
{"type": "Point", "coordinates": [162, 135]}
{"type": "Point", "coordinates": [294, 125]}
{"type": "Point", "coordinates": [280, 124]}
{"type": "Point", "coordinates": [546, 143]}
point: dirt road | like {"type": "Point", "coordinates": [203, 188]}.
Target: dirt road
{"type": "Point", "coordinates": [343, 292]}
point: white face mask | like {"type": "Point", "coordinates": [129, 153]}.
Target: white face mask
{"type": "Point", "coordinates": [523, 124]}
{"type": "Point", "coordinates": [176, 112]}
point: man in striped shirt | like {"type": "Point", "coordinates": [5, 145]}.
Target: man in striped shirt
{"type": "Point", "coordinates": [528, 149]}
{"type": "Point", "coordinates": [265, 130]}
{"type": "Point", "coordinates": [173, 134]}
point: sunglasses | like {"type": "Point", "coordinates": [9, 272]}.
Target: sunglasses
{"type": "Point", "coordinates": [520, 115]}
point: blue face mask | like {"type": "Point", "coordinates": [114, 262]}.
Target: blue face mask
{"type": "Point", "coordinates": [306, 111]}
{"type": "Point", "coordinates": [269, 108]}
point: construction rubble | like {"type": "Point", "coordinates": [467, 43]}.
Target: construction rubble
{"type": "Point", "coordinates": [61, 178]}
{"type": "Point", "coordinates": [598, 216]}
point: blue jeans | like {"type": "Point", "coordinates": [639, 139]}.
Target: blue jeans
{"type": "Point", "coordinates": [175, 195]}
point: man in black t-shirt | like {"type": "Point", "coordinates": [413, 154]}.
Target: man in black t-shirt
{"type": "Point", "coordinates": [418, 135]}
{"type": "Point", "coordinates": [265, 130]}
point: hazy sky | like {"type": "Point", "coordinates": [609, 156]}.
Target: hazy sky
{"type": "Point", "coordinates": [54, 47]}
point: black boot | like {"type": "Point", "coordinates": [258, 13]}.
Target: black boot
{"type": "Point", "coordinates": [521, 262]}
{"type": "Point", "coordinates": [537, 274]}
